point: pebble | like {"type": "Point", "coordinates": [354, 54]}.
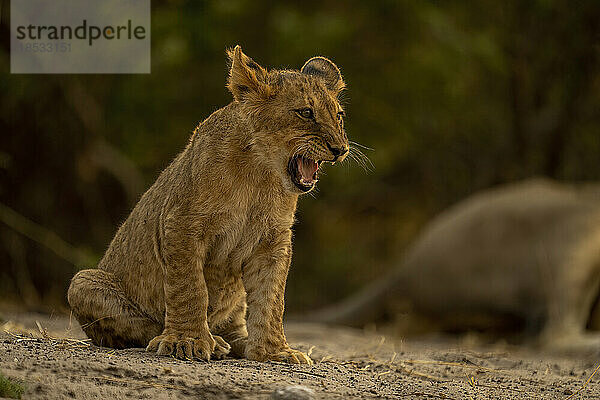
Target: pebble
{"type": "Point", "coordinates": [294, 392]}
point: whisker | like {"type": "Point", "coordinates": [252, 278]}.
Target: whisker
{"type": "Point", "coordinates": [360, 158]}
{"type": "Point", "coordinates": [353, 156]}
{"type": "Point", "coordinates": [355, 148]}
{"type": "Point", "coordinates": [368, 164]}
{"type": "Point", "coordinates": [360, 153]}
{"type": "Point", "coordinates": [360, 145]}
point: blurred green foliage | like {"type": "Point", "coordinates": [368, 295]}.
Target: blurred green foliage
{"type": "Point", "coordinates": [10, 389]}
{"type": "Point", "coordinates": [453, 97]}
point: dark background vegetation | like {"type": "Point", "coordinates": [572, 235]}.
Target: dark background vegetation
{"type": "Point", "coordinates": [453, 97]}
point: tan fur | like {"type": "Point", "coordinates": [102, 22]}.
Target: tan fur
{"type": "Point", "coordinates": [210, 243]}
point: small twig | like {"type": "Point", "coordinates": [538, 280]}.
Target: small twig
{"type": "Point", "coordinates": [422, 395]}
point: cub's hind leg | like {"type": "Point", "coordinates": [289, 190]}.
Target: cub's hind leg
{"type": "Point", "coordinates": [105, 313]}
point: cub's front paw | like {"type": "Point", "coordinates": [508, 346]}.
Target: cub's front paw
{"type": "Point", "coordinates": [287, 354]}
{"type": "Point", "coordinates": [292, 356]}
{"type": "Point", "coordinates": [189, 346]}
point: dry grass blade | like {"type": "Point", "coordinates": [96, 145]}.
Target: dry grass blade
{"type": "Point", "coordinates": [584, 384]}
{"type": "Point", "coordinates": [55, 341]}
{"type": "Point", "coordinates": [21, 338]}
{"type": "Point", "coordinates": [43, 331]}
{"type": "Point", "coordinates": [326, 359]}
{"type": "Point", "coordinates": [84, 326]}
{"type": "Point", "coordinates": [471, 380]}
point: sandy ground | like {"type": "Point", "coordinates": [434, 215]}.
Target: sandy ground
{"type": "Point", "coordinates": [348, 364]}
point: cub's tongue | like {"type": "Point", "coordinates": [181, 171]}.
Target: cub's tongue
{"type": "Point", "coordinates": [307, 168]}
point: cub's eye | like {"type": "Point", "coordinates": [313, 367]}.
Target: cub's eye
{"type": "Point", "coordinates": [306, 113]}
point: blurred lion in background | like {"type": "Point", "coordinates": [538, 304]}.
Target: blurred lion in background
{"type": "Point", "coordinates": [521, 258]}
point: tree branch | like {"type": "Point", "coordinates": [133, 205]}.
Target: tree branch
{"type": "Point", "coordinates": [44, 237]}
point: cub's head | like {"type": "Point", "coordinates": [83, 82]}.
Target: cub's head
{"type": "Point", "coordinates": [298, 122]}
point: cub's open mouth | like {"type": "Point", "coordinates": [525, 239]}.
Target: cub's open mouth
{"type": "Point", "coordinates": [303, 172]}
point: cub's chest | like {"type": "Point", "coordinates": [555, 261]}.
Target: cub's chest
{"type": "Point", "coordinates": [240, 229]}
{"type": "Point", "coordinates": [236, 241]}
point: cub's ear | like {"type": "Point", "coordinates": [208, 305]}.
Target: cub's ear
{"type": "Point", "coordinates": [326, 69]}
{"type": "Point", "coordinates": [246, 79]}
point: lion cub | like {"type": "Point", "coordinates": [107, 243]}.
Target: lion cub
{"type": "Point", "coordinates": [199, 267]}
